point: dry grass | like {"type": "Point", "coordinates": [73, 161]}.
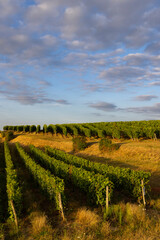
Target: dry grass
{"type": "Point", "coordinates": [142, 155]}
{"type": "Point", "coordinates": [84, 227]}
{"type": "Point", "coordinates": [105, 229]}
{"type": "Point", "coordinates": [40, 140]}
{"type": "Point", "coordinates": [126, 221]}
{"type": "Point", "coordinates": [136, 224]}
{"type": "Point", "coordinates": [135, 213]}
{"type": "Point", "coordinates": [40, 228]}
{"type": "Point", "coordinates": [38, 222]}
{"type": "Point", "coordinates": [137, 155]}
{"type": "Point", "coordinates": [87, 218]}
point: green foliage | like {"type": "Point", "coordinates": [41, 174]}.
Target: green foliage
{"type": "Point", "coordinates": [19, 128]}
{"type": "Point", "coordinates": [48, 183]}
{"type": "Point", "coordinates": [49, 128]}
{"type": "Point", "coordinates": [45, 130]}
{"type": "Point", "coordinates": [3, 134]}
{"type": "Point", "coordinates": [38, 129]}
{"type": "Point", "coordinates": [133, 129]}
{"type": "Point", "coordinates": [124, 179]}
{"type": "Point", "coordinates": [150, 132]}
{"type": "Point", "coordinates": [13, 186]}
{"type": "Point", "coordinates": [90, 130]}
{"type": "Point", "coordinates": [93, 184]}
{"type": "Point", "coordinates": [5, 127]}
{"type": "Point", "coordinates": [26, 128]}
{"type": "Point", "coordinates": [64, 130]}
{"type": "Point", "coordinates": [32, 128]}
{"type": "Point", "coordinates": [8, 135]}
{"type": "Point", "coordinates": [11, 128]}
{"type": "Point", "coordinates": [116, 133]}
{"type": "Point", "coordinates": [105, 144]}
{"type": "Point", "coordinates": [79, 143]}
{"type": "Point", "coordinates": [3, 197]}
{"type": "Point", "coordinates": [75, 131]}
{"type": "Point", "coordinates": [101, 133]}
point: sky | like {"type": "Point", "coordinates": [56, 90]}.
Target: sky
{"type": "Point", "coordinates": [73, 61]}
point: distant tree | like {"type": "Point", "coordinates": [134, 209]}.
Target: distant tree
{"type": "Point", "coordinates": [32, 128]}
{"type": "Point", "coordinates": [45, 128]}
{"type": "Point", "coordinates": [38, 129]}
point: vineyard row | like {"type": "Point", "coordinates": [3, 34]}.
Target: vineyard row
{"type": "Point", "coordinates": [124, 179]}
{"type": "Point", "coordinates": [127, 130]}
{"type": "Point", "coordinates": [93, 184]}
{"type": "Point", "coordinates": [51, 172]}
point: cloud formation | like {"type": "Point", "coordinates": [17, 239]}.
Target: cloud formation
{"type": "Point", "coordinates": [109, 107]}
{"type": "Point", "coordinates": [145, 97]}
{"type": "Point", "coordinates": [104, 106]}
{"type": "Point", "coordinates": [95, 46]}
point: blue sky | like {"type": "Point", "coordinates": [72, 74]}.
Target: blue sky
{"type": "Point", "coordinates": [64, 61]}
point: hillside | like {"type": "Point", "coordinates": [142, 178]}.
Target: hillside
{"type": "Point", "coordinates": [137, 155]}
{"type": "Point", "coordinates": [39, 219]}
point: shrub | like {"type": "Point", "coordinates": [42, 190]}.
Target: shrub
{"type": "Point", "coordinates": [26, 128]}
{"type": "Point", "coordinates": [106, 144]}
{"type": "Point", "coordinates": [79, 143]}
{"type": "Point", "coordinates": [38, 129]}
{"type": "Point", "coordinates": [32, 128]}
{"type": "Point", "coordinates": [45, 130]}
{"type": "Point", "coordinates": [19, 128]}
{"type": "Point", "coordinates": [87, 218]}
{"type": "Point", "coordinates": [9, 136]}
{"type": "Point", "coordinates": [3, 134]}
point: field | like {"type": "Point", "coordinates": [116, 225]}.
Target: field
{"type": "Point", "coordinates": [137, 155]}
{"type": "Point", "coordinates": [126, 218]}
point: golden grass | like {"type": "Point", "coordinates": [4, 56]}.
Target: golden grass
{"type": "Point", "coordinates": [136, 224]}
{"type": "Point", "coordinates": [38, 222]}
{"type": "Point", "coordinates": [137, 155]}
{"type": "Point", "coordinates": [85, 226]}
{"type": "Point", "coordinates": [126, 221]}
{"type": "Point", "coordinates": [40, 228]}
{"type": "Point", "coordinates": [105, 229]}
{"type": "Point", "coordinates": [87, 218]}
{"type": "Point", "coordinates": [42, 140]}
{"type": "Point", "coordinates": [134, 213]}
{"type": "Point", "coordinates": [142, 155]}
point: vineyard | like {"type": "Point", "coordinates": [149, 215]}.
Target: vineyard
{"type": "Point", "coordinates": [126, 130]}
{"type": "Point", "coordinates": [56, 180]}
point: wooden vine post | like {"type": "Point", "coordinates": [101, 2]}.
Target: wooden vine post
{"type": "Point", "coordinates": [143, 192]}
{"type": "Point", "coordinates": [14, 213]}
{"type": "Point", "coordinates": [107, 202]}
{"type": "Point", "coordinates": [61, 206]}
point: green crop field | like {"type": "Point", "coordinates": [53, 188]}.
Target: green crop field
{"type": "Point", "coordinates": [50, 191]}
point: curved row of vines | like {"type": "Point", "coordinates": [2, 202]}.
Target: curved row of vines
{"type": "Point", "coordinates": [126, 130]}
